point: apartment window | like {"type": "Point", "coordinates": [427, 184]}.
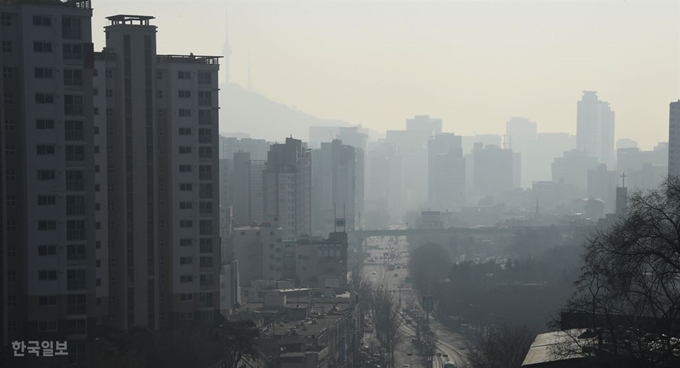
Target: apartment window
{"type": "Point", "coordinates": [96, 148]}
{"type": "Point", "coordinates": [73, 77]}
{"type": "Point", "coordinates": [204, 78]}
{"type": "Point", "coordinates": [71, 28]}
{"type": "Point", "coordinates": [42, 20]}
{"type": "Point", "coordinates": [109, 92]}
{"type": "Point", "coordinates": [47, 225]}
{"type": "Point", "coordinates": [11, 200]}
{"type": "Point", "coordinates": [6, 46]}
{"type": "Point", "coordinates": [184, 131]}
{"type": "Point", "coordinates": [75, 180]}
{"type": "Point", "coordinates": [75, 279]}
{"type": "Point", "coordinates": [204, 117]}
{"type": "Point", "coordinates": [46, 175]}
{"type": "Point", "coordinates": [186, 260]}
{"type": "Point", "coordinates": [73, 105]}
{"type": "Point", "coordinates": [183, 75]}
{"type": "Point", "coordinates": [39, 46]}
{"type": "Point", "coordinates": [43, 73]}
{"type": "Point", "coordinates": [186, 279]}
{"type": "Point", "coordinates": [184, 150]}
{"type": "Point", "coordinates": [184, 94]}
{"type": "Point", "coordinates": [98, 263]}
{"type": "Point", "coordinates": [95, 72]}
{"type": "Point", "coordinates": [12, 276]}
{"type": "Point", "coordinates": [9, 150]}
{"type": "Point", "coordinates": [205, 208]}
{"type": "Point", "coordinates": [47, 301]}
{"type": "Point", "coordinates": [7, 73]}
{"type": "Point", "coordinates": [186, 297]}
{"type": "Point", "coordinates": [45, 149]}
{"type": "Point", "coordinates": [44, 124]}
{"type": "Point", "coordinates": [206, 262]}
{"type": "Point", "coordinates": [184, 205]}
{"type": "Point", "coordinates": [47, 250]}
{"type": "Point", "coordinates": [11, 250]}
{"type": "Point", "coordinates": [75, 230]}
{"type": "Point", "coordinates": [75, 153]}
{"type": "Point", "coordinates": [186, 223]}
{"type": "Point", "coordinates": [47, 326]}
{"type": "Point", "coordinates": [73, 51]}
{"type": "Point", "coordinates": [185, 113]}
{"type": "Point", "coordinates": [185, 316]}
{"type": "Point", "coordinates": [47, 200]}
{"type": "Point", "coordinates": [184, 242]}
{"type": "Point", "coordinates": [204, 98]}
{"type": "Point", "coordinates": [9, 99]}
{"type": "Point", "coordinates": [184, 168]}
{"type": "Point", "coordinates": [12, 301]}
{"type": "Point", "coordinates": [44, 98]}
{"type": "Point", "coordinates": [204, 152]}
{"type": "Point", "coordinates": [205, 227]}
{"type": "Point", "coordinates": [5, 20]}
{"type": "Point", "coordinates": [206, 280]}
{"type": "Point", "coordinates": [109, 111]}
{"type": "Point", "coordinates": [73, 130]}
{"type": "Point", "coordinates": [47, 275]}
{"type": "Point", "coordinates": [204, 135]}
{"type": "Point", "coordinates": [108, 73]}
{"type": "Point", "coordinates": [205, 190]}
{"type": "Point", "coordinates": [76, 304]}
{"type": "Point", "coordinates": [11, 225]}
{"type": "Point", "coordinates": [159, 93]}
{"type": "Point", "coordinates": [206, 245]}
{"type": "Point", "coordinates": [185, 187]}
{"type": "Point", "coordinates": [75, 252]}
{"type": "Point", "coordinates": [75, 205]}
{"type": "Point", "coordinates": [205, 172]}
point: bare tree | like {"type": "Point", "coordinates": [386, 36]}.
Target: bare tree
{"type": "Point", "coordinates": [628, 296]}
{"type": "Point", "coordinates": [500, 347]}
{"type": "Point", "coordinates": [386, 319]}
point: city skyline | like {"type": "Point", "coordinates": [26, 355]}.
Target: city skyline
{"type": "Point", "coordinates": [447, 67]}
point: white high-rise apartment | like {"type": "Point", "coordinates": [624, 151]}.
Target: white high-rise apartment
{"type": "Point", "coordinates": [674, 139]}
{"type": "Point", "coordinates": [287, 188]}
{"type": "Point", "coordinates": [161, 113]}
{"type": "Point", "coordinates": [50, 241]}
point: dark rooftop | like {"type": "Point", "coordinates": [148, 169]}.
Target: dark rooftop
{"type": "Point", "coordinates": [123, 19]}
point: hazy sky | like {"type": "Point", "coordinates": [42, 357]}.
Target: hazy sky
{"type": "Point", "coordinates": [472, 63]}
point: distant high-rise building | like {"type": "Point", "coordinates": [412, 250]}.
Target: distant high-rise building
{"type": "Point", "coordinates": [446, 174]}
{"type": "Point", "coordinates": [626, 143]}
{"type": "Point", "coordinates": [602, 185]}
{"type": "Point", "coordinates": [287, 188]}
{"type": "Point", "coordinates": [162, 126]}
{"type": "Point", "coordinates": [426, 123]}
{"type": "Point", "coordinates": [521, 138]}
{"type": "Point", "coordinates": [595, 128]}
{"type": "Point", "coordinates": [494, 169]}
{"type": "Point", "coordinates": [573, 169]}
{"type": "Point", "coordinates": [384, 197]}
{"type": "Point", "coordinates": [674, 139]}
{"type": "Point", "coordinates": [52, 201]}
{"type": "Point", "coordinates": [334, 170]}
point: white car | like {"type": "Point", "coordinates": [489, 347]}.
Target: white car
{"type": "Point", "coordinates": [405, 366]}
{"type": "Point", "coordinates": [374, 273]}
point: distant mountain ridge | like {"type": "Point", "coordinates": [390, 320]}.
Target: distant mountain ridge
{"type": "Point", "coordinates": [249, 112]}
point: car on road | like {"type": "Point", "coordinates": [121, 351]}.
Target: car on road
{"type": "Point", "coordinates": [439, 354]}
{"type": "Point", "coordinates": [374, 273]}
{"type": "Point", "coordinates": [445, 356]}
{"type": "Point", "coordinates": [396, 275]}
{"type": "Point", "coordinates": [405, 366]}
{"type": "Point", "coordinates": [409, 354]}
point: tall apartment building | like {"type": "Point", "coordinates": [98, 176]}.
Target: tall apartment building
{"type": "Point", "coordinates": [334, 192]}
{"type": "Point", "coordinates": [674, 139]}
{"type": "Point", "coordinates": [520, 134]}
{"type": "Point", "coordinates": [494, 169]}
{"type": "Point", "coordinates": [243, 188]}
{"type": "Point", "coordinates": [259, 252]}
{"type": "Point", "coordinates": [161, 113]}
{"type": "Point", "coordinates": [287, 188]}
{"type": "Point", "coordinates": [48, 226]}
{"type": "Point", "coordinates": [446, 174]}
{"type": "Point", "coordinates": [595, 128]}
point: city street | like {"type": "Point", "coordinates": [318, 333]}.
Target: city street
{"type": "Point", "coordinates": [448, 343]}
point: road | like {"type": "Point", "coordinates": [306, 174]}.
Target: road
{"type": "Point", "coordinates": [448, 343]}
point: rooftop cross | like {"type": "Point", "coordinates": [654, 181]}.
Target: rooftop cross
{"type": "Point", "coordinates": [623, 178]}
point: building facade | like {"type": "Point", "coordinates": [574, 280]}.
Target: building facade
{"type": "Point", "coordinates": [674, 139]}
{"type": "Point", "coordinates": [446, 174]}
{"type": "Point", "coordinates": [49, 235]}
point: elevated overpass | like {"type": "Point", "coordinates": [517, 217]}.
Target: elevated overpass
{"type": "Point", "coordinates": [420, 235]}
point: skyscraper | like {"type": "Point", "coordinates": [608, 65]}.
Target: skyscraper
{"type": "Point", "coordinates": [595, 128]}
{"type": "Point", "coordinates": [446, 174]}
{"type": "Point", "coordinates": [162, 134]}
{"type": "Point", "coordinates": [49, 235]}
{"type": "Point", "coordinates": [287, 188]}
{"type": "Point", "coordinates": [674, 139]}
